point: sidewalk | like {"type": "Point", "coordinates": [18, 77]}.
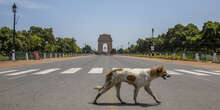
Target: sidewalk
{"type": "Point", "coordinates": [7, 64]}
{"type": "Point", "coordinates": [209, 65]}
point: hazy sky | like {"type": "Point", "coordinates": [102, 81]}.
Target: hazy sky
{"type": "Point", "coordinates": [125, 20]}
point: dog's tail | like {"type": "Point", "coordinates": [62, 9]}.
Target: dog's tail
{"type": "Point", "coordinates": [99, 88]}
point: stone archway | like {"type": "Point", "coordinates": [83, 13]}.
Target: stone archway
{"type": "Point", "coordinates": [104, 38]}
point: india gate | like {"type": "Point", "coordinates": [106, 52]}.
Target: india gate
{"type": "Point", "coordinates": [104, 39]}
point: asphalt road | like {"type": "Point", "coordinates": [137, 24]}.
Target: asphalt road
{"type": "Point", "coordinates": [68, 85]}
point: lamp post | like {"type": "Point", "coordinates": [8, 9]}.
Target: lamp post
{"type": "Point", "coordinates": [152, 45]}
{"type": "Point", "coordinates": [128, 47]}
{"type": "Point", "coordinates": [14, 7]}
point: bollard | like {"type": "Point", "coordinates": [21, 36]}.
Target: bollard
{"type": "Point", "coordinates": [197, 56]}
{"type": "Point", "coordinates": [51, 55]}
{"type": "Point", "coordinates": [26, 54]}
{"type": "Point", "coordinates": [174, 56]}
{"type": "Point", "coordinates": [160, 55]}
{"type": "Point", "coordinates": [214, 60]}
{"type": "Point", "coordinates": [44, 55]}
{"type": "Point", "coordinates": [184, 56]}
{"type": "Point", "coordinates": [166, 55]}
{"type": "Point", "coordinates": [55, 55]}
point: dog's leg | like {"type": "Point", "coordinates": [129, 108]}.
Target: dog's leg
{"type": "Point", "coordinates": [118, 86]}
{"type": "Point", "coordinates": [136, 90]}
{"type": "Point", "coordinates": [148, 90]}
{"type": "Point", "coordinates": [105, 89]}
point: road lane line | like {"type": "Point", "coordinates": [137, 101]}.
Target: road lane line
{"type": "Point", "coordinates": [202, 71]}
{"type": "Point", "coordinates": [22, 72]}
{"type": "Point", "coordinates": [9, 71]}
{"type": "Point", "coordinates": [46, 71]}
{"type": "Point", "coordinates": [96, 71]}
{"type": "Point", "coordinates": [190, 72]}
{"type": "Point", "coordinates": [173, 72]}
{"type": "Point", "coordinates": [71, 71]}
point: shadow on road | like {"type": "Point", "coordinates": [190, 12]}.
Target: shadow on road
{"type": "Point", "coordinates": [127, 104]}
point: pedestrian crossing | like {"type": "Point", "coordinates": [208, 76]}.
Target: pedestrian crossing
{"type": "Point", "coordinates": [47, 71]}
{"type": "Point", "coordinates": [100, 70]}
{"type": "Point", "coordinates": [71, 71]}
{"type": "Point", "coordinates": [96, 71]}
{"type": "Point", "coordinates": [22, 72]}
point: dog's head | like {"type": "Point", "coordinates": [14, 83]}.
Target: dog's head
{"type": "Point", "coordinates": [160, 71]}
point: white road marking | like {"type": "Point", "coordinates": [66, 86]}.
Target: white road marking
{"type": "Point", "coordinates": [173, 72]}
{"type": "Point", "coordinates": [202, 71]}
{"type": "Point", "coordinates": [190, 72]}
{"type": "Point", "coordinates": [71, 71]}
{"type": "Point", "coordinates": [9, 71]}
{"type": "Point", "coordinates": [96, 71]}
{"type": "Point", "coordinates": [22, 72]}
{"type": "Point", "coordinates": [46, 71]}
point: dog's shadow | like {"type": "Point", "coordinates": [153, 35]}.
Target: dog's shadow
{"type": "Point", "coordinates": [127, 104]}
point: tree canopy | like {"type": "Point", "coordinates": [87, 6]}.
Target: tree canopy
{"type": "Point", "coordinates": [182, 38]}
{"type": "Point", "coordinates": [36, 39]}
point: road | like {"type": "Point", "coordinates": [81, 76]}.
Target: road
{"type": "Point", "coordinates": [68, 85]}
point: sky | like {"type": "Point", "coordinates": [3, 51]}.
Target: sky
{"type": "Point", "coordinates": [125, 20]}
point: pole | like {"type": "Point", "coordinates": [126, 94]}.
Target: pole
{"type": "Point", "coordinates": [128, 47]}
{"type": "Point", "coordinates": [72, 45]}
{"type": "Point", "coordinates": [152, 47]}
{"type": "Point", "coordinates": [14, 32]}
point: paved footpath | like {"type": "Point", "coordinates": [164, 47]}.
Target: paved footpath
{"type": "Point", "coordinates": [68, 85]}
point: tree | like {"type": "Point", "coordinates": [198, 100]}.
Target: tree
{"type": "Point", "coordinates": [210, 35]}
{"type": "Point", "coordinates": [113, 51]}
{"type": "Point", "coordinates": [87, 49]}
{"type": "Point", "coordinates": [35, 43]}
{"type": "Point", "coordinates": [6, 41]}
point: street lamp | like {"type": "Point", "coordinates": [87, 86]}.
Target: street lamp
{"type": "Point", "coordinates": [128, 47]}
{"type": "Point", "coordinates": [14, 7]}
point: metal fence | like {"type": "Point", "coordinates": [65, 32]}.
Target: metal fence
{"type": "Point", "coordinates": [42, 55]}
{"type": "Point", "coordinates": [187, 56]}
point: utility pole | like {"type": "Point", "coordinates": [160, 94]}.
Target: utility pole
{"type": "Point", "coordinates": [14, 7]}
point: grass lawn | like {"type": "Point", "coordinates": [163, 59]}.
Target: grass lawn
{"type": "Point", "coordinates": [4, 58]}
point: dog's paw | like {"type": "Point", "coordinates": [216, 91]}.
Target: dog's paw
{"type": "Point", "coordinates": [158, 102]}
{"type": "Point", "coordinates": [137, 103]}
{"type": "Point", "coordinates": [123, 102]}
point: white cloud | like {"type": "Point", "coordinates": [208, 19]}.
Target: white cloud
{"type": "Point", "coordinates": [25, 4]}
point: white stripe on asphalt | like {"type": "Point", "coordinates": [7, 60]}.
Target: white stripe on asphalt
{"type": "Point", "coordinates": [202, 71]}
{"type": "Point", "coordinates": [71, 71]}
{"type": "Point", "coordinates": [96, 71]}
{"type": "Point", "coordinates": [190, 72]}
{"type": "Point", "coordinates": [173, 72]}
{"type": "Point", "coordinates": [9, 71]}
{"type": "Point", "coordinates": [22, 72]}
{"type": "Point", "coordinates": [47, 71]}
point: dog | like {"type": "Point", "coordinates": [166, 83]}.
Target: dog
{"type": "Point", "coordinates": [137, 79]}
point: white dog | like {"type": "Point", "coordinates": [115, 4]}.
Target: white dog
{"type": "Point", "coordinates": [137, 79]}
